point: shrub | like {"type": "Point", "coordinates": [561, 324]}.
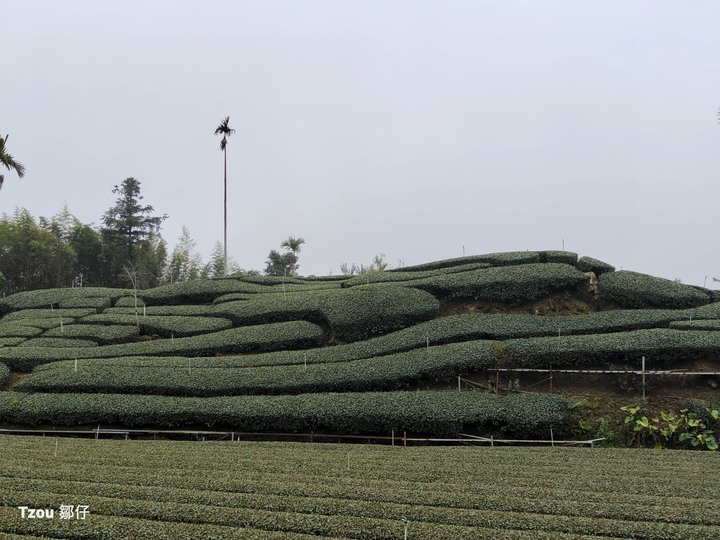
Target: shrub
{"type": "Point", "coordinates": [195, 291]}
{"type": "Point", "coordinates": [165, 326]}
{"type": "Point", "coordinates": [438, 413]}
{"type": "Point", "coordinates": [129, 301]}
{"type": "Point", "coordinates": [352, 314]}
{"type": "Point", "coordinates": [564, 257]}
{"type": "Point", "coordinates": [296, 334]}
{"type": "Point", "coordinates": [397, 276]}
{"type": "Point", "coordinates": [104, 335]}
{"type": "Point", "coordinates": [711, 324]}
{"type": "Point", "coordinates": [4, 374]}
{"type": "Point", "coordinates": [18, 330]}
{"type": "Point", "coordinates": [493, 259]}
{"type": "Point", "coordinates": [588, 264]}
{"type": "Point", "coordinates": [97, 302]}
{"type": "Point", "coordinates": [44, 298]}
{"type": "Point", "coordinates": [66, 314]}
{"type": "Point", "coordinates": [380, 373]}
{"type": "Point", "coordinates": [54, 343]}
{"type": "Point", "coordinates": [170, 311]}
{"type": "Point", "coordinates": [635, 290]}
{"type": "Point", "coordinates": [511, 285]}
{"type": "Point", "coordinates": [11, 341]}
{"type": "Point", "coordinates": [43, 324]}
{"type": "Point", "coordinates": [657, 345]}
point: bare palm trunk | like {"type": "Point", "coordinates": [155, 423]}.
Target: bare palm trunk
{"type": "Point", "coordinates": [225, 215]}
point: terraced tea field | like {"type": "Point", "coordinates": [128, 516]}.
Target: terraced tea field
{"type": "Point", "coordinates": [205, 490]}
{"type": "Point", "coordinates": [365, 354]}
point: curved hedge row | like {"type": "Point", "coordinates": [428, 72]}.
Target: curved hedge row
{"type": "Point", "coordinates": [399, 275]}
{"type": "Point", "coordinates": [18, 330]}
{"type": "Point", "coordinates": [511, 285]}
{"type": "Point", "coordinates": [97, 302]}
{"type": "Point", "coordinates": [11, 341]}
{"type": "Point", "coordinates": [264, 337]}
{"type": "Point", "coordinates": [352, 314]}
{"type": "Point", "coordinates": [196, 291]}
{"type": "Point", "coordinates": [165, 326]}
{"type": "Point", "coordinates": [635, 290]}
{"type": "Point", "coordinates": [710, 324]}
{"type": "Point", "coordinates": [557, 256]}
{"type": "Point", "coordinates": [169, 311]}
{"type": "Point", "coordinates": [439, 413]}
{"type": "Point", "coordinates": [103, 335]}
{"type": "Point", "coordinates": [508, 258]}
{"type": "Point", "coordinates": [43, 324]}
{"type": "Point", "coordinates": [657, 345]}
{"type": "Point", "coordinates": [57, 314]}
{"type": "Point", "coordinates": [44, 298]}
{"type": "Point", "coordinates": [588, 264]}
{"type": "Point", "coordinates": [57, 343]}
{"type": "Point", "coordinates": [380, 373]}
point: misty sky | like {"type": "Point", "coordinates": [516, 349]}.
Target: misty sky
{"type": "Point", "coordinates": [410, 128]}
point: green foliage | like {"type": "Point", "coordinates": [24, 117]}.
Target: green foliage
{"type": "Point", "coordinates": [18, 330]}
{"type": "Point", "coordinates": [57, 343]}
{"type": "Point", "coordinates": [268, 337]}
{"type": "Point", "coordinates": [4, 374]}
{"type": "Point", "coordinates": [557, 256]}
{"type": "Point", "coordinates": [635, 290]}
{"type": "Point", "coordinates": [131, 239]}
{"type": "Point", "coordinates": [165, 326]}
{"type": "Point", "coordinates": [97, 302]}
{"type": "Point", "coordinates": [44, 298]}
{"type": "Point", "coordinates": [588, 264]}
{"type": "Point", "coordinates": [712, 324]}
{"type": "Point", "coordinates": [67, 315]}
{"type": "Point", "coordinates": [176, 377]}
{"type": "Point", "coordinates": [196, 291]}
{"type": "Point", "coordinates": [658, 345]}
{"type": "Point", "coordinates": [399, 276]}
{"type": "Point", "coordinates": [440, 413]}
{"type": "Point", "coordinates": [352, 314]}
{"type": "Point", "coordinates": [511, 285]}
{"type": "Point", "coordinates": [494, 259]}
{"type": "Point", "coordinates": [280, 265]}
{"type": "Point", "coordinates": [672, 430]}
{"type": "Point", "coordinates": [183, 310]}
{"type": "Point", "coordinates": [103, 335]}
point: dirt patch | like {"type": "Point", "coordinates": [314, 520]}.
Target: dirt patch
{"type": "Point", "coordinates": [558, 305]}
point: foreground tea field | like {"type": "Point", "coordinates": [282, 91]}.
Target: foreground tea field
{"type": "Point", "coordinates": [162, 489]}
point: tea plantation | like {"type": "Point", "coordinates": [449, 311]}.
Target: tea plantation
{"type": "Point", "coordinates": [360, 355]}
{"type": "Point", "coordinates": [433, 351]}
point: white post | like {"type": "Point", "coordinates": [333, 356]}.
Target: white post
{"type": "Point", "coordinates": [62, 330]}
{"type": "Point", "coordinates": [552, 438]}
{"type": "Point", "coordinates": [459, 383]}
{"type": "Point", "coordinates": [427, 344]}
{"type": "Point", "coordinates": [305, 361]}
{"type": "Point", "coordinates": [144, 311]}
{"type": "Point", "coordinates": [348, 461]}
{"type": "Point", "coordinates": [643, 376]}
{"type": "Point", "coordinates": [76, 363]}
{"type": "Point", "coordinates": [56, 446]}
{"type": "Point", "coordinates": [392, 437]}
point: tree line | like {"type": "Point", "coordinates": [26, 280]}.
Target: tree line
{"type": "Point", "coordinates": [61, 251]}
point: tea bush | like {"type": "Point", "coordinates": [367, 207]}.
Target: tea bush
{"type": "Point", "coordinates": [438, 413]}
{"type": "Point", "coordinates": [352, 314]}
{"type": "Point", "coordinates": [57, 314]}
{"type": "Point", "coordinates": [557, 256]}
{"type": "Point", "coordinates": [494, 259]}
{"type": "Point", "coordinates": [391, 372]}
{"type": "Point", "coordinates": [635, 290]}
{"type": "Point", "coordinates": [296, 334]}
{"type": "Point", "coordinates": [195, 291]}
{"type": "Point", "coordinates": [511, 285]}
{"type": "Point", "coordinates": [588, 264]}
{"type": "Point", "coordinates": [44, 298]}
{"type": "Point", "coordinates": [4, 374]}
{"type": "Point", "coordinates": [103, 335]}
{"type": "Point", "coordinates": [399, 275]}
{"type": "Point", "coordinates": [165, 326]}
{"type": "Point", "coordinates": [54, 343]}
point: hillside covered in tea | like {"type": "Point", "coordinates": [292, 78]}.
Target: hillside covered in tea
{"type": "Point", "coordinates": [414, 349]}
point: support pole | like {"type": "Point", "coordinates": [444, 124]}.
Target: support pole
{"type": "Point", "coordinates": [643, 377]}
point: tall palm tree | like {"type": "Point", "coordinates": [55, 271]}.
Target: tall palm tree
{"type": "Point", "coordinates": [9, 162]}
{"type": "Point", "coordinates": [293, 244]}
{"type": "Point", "coordinates": [224, 130]}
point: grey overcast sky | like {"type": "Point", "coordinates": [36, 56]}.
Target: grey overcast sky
{"type": "Point", "coordinates": [405, 127]}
